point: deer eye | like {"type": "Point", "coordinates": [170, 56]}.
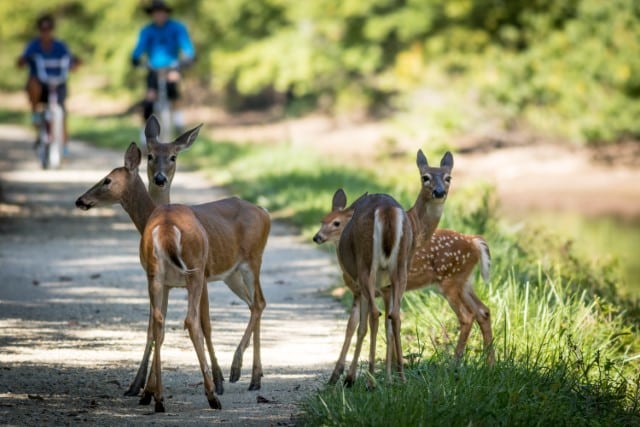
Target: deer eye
{"type": "Point", "coordinates": [173, 158]}
{"type": "Point", "coordinates": [425, 178]}
{"type": "Point", "coordinates": [336, 223]}
{"type": "Point", "coordinates": [106, 181]}
{"type": "Point", "coordinates": [150, 157]}
{"type": "Point", "coordinates": [448, 179]}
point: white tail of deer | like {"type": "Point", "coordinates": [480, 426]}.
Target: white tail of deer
{"type": "Point", "coordinates": [447, 261]}
{"type": "Point", "coordinates": [185, 246]}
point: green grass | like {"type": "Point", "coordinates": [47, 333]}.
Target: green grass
{"type": "Point", "coordinates": [566, 341]}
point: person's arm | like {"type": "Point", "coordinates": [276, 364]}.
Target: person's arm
{"type": "Point", "coordinates": [140, 48]}
{"type": "Point", "coordinates": [186, 46]}
{"type": "Point", "coordinates": [23, 59]}
{"type": "Point", "coordinates": [74, 61]}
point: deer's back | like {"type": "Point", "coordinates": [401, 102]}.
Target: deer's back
{"type": "Point", "coordinates": [356, 248]}
{"type": "Point", "coordinates": [237, 230]}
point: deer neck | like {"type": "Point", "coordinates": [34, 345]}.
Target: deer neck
{"type": "Point", "coordinates": [425, 217]}
{"type": "Point", "coordinates": [137, 202]}
{"type": "Point", "coordinates": [160, 195]}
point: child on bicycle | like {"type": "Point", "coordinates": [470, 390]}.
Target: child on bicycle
{"type": "Point", "coordinates": [46, 56]}
{"type": "Point", "coordinates": [167, 45]}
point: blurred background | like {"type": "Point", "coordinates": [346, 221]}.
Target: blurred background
{"type": "Point", "coordinates": [538, 99]}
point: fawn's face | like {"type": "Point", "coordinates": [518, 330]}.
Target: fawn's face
{"type": "Point", "coordinates": [435, 180]}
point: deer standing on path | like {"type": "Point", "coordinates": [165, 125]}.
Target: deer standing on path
{"type": "Point", "coordinates": [161, 168]}
{"type": "Point", "coordinates": [447, 261]}
{"type": "Point", "coordinates": [185, 246]}
{"type": "Point", "coordinates": [374, 249]}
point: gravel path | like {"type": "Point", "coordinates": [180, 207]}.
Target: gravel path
{"type": "Point", "coordinates": [74, 305]}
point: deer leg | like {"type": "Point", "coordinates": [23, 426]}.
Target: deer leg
{"type": "Point", "coordinates": [259, 305]}
{"type": "Point", "coordinates": [453, 294]}
{"type": "Point", "coordinates": [154, 382]}
{"type": "Point", "coordinates": [398, 285]}
{"type": "Point", "coordinates": [193, 323]}
{"type": "Point", "coordinates": [351, 328]}
{"type": "Point", "coordinates": [362, 332]}
{"type": "Point", "coordinates": [145, 399]}
{"type": "Point", "coordinates": [141, 375]}
{"type": "Point", "coordinates": [374, 315]}
{"type": "Point", "coordinates": [483, 317]}
{"type": "Point", "coordinates": [246, 285]}
{"type": "Point", "coordinates": [205, 324]}
{"type": "Point", "coordinates": [237, 286]}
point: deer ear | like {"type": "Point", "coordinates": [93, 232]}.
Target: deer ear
{"type": "Point", "coordinates": [447, 160]}
{"type": "Point", "coordinates": [132, 157]}
{"type": "Point", "coordinates": [339, 200]}
{"type": "Point", "coordinates": [152, 129]}
{"type": "Point", "coordinates": [421, 160]}
{"type": "Point", "coordinates": [185, 140]}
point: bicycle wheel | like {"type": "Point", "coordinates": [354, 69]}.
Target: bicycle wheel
{"type": "Point", "coordinates": [163, 112]}
{"type": "Point", "coordinates": [56, 136]}
{"type": "Point", "coordinates": [43, 146]}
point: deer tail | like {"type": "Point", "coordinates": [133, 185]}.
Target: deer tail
{"type": "Point", "coordinates": [387, 232]}
{"type": "Point", "coordinates": [167, 246]}
{"type": "Point", "coordinates": [485, 257]}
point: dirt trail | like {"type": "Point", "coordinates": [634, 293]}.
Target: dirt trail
{"type": "Point", "coordinates": [73, 308]}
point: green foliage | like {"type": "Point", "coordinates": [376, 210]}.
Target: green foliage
{"type": "Point", "coordinates": [568, 67]}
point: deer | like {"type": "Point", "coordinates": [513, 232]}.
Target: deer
{"type": "Point", "coordinates": [188, 246]}
{"type": "Point", "coordinates": [161, 168]}
{"type": "Point", "coordinates": [447, 261]}
{"type": "Point", "coordinates": [375, 248]}
{"type": "Point", "coordinates": [425, 215]}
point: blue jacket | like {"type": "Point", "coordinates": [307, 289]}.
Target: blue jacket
{"type": "Point", "coordinates": [163, 45]}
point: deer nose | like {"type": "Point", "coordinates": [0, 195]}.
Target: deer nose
{"type": "Point", "coordinates": [81, 204]}
{"type": "Point", "coordinates": [318, 239]}
{"type": "Point", "coordinates": [159, 179]}
{"type": "Point", "coordinates": [439, 193]}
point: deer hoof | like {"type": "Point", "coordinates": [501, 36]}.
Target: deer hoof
{"type": "Point", "coordinates": [255, 385]}
{"type": "Point", "coordinates": [132, 391]}
{"type": "Point", "coordinates": [348, 382]}
{"type": "Point", "coordinates": [159, 406]}
{"type": "Point", "coordinates": [235, 374]}
{"type": "Point", "coordinates": [146, 398]}
{"type": "Point", "coordinates": [214, 403]}
{"type": "Point", "coordinates": [219, 388]}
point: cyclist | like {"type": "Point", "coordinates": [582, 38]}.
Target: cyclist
{"type": "Point", "coordinates": [46, 56]}
{"type": "Point", "coordinates": [166, 44]}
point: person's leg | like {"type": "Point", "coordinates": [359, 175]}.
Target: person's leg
{"type": "Point", "coordinates": [150, 96]}
{"type": "Point", "coordinates": [35, 94]}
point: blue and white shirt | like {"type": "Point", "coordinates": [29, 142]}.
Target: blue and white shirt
{"type": "Point", "coordinates": [45, 64]}
{"type": "Point", "coordinates": [163, 44]}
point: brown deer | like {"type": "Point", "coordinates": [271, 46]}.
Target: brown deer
{"type": "Point", "coordinates": [375, 248]}
{"type": "Point", "coordinates": [424, 215]}
{"type": "Point", "coordinates": [161, 168]}
{"type": "Point", "coordinates": [446, 261]}
{"type": "Point", "coordinates": [185, 246]}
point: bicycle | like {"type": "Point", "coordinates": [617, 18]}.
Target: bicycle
{"type": "Point", "coordinates": [50, 139]}
{"type": "Point", "coordinates": [162, 104]}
